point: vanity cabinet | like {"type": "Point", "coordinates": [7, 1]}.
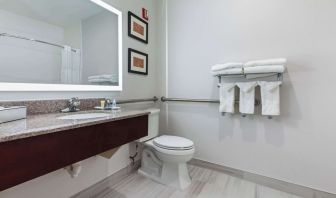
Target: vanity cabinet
{"type": "Point", "coordinates": [25, 159]}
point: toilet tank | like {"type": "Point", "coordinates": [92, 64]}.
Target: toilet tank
{"type": "Point", "coordinates": [153, 125]}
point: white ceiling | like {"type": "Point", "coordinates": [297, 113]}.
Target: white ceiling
{"type": "Point", "coordinates": [58, 12]}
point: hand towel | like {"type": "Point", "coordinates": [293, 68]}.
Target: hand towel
{"type": "Point", "coordinates": [276, 61]}
{"type": "Point", "coordinates": [247, 97]}
{"type": "Point", "coordinates": [270, 97]}
{"type": "Point", "coordinates": [264, 69]}
{"type": "Point", "coordinates": [228, 71]}
{"type": "Point", "coordinates": [225, 66]}
{"type": "Point", "coordinates": [227, 97]}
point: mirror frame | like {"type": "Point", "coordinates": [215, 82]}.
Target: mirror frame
{"type": "Point", "coordinates": [64, 87]}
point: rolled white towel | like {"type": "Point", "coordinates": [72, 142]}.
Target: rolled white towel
{"type": "Point", "coordinates": [228, 71]}
{"type": "Point", "coordinates": [226, 66]}
{"type": "Point", "coordinates": [265, 62]}
{"type": "Point", "coordinates": [264, 69]}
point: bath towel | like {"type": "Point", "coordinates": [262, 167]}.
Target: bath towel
{"type": "Point", "coordinates": [275, 61]}
{"type": "Point", "coordinates": [228, 71]}
{"type": "Point", "coordinates": [264, 69]}
{"type": "Point", "coordinates": [227, 97]}
{"type": "Point", "coordinates": [270, 97]}
{"type": "Point", "coordinates": [247, 97]}
{"type": "Point", "coordinates": [226, 66]}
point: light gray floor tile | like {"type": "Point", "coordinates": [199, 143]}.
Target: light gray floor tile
{"type": "Point", "coordinates": [206, 183]}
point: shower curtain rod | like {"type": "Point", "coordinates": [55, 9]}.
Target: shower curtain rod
{"type": "Point", "coordinates": [32, 39]}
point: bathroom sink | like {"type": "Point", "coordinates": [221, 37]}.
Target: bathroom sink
{"type": "Point", "coordinates": [84, 116]}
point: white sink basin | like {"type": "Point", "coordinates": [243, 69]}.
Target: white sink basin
{"type": "Point", "coordinates": [84, 116]}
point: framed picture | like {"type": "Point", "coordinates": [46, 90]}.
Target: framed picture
{"type": "Point", "coordinates": [137, 62]}
{"type": "Point", "coordinates": [137, 28]}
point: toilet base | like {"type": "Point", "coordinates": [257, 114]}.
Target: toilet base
{"type": "Point", "coordinates": [171, 174]}
{"type": "Point", "coordinates": [174, 175]}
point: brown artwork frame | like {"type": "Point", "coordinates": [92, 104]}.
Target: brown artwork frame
{"type": "Point", "coordinates": [141, 26]}
{"type": "Point", "coordinates": [137, 62]}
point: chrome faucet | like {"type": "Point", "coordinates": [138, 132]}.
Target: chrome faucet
{"type": "Point", "coordinates": [73, 105]}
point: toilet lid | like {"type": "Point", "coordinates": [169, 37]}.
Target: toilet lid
{"type": "Point", "coordinates": [173, 142]}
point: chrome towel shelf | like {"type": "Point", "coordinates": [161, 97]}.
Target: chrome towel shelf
{"type": "Point", "coordinates": [278, 75]}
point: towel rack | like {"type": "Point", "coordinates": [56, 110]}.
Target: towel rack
{"type": "Point", "coordinates": [278, 75]}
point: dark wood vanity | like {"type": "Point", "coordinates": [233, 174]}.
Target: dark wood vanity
{"type": "Point", "coordinates": [27, 158]}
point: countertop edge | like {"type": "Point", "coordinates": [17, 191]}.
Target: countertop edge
{"type": "Point", "coordinates": [68, 126]}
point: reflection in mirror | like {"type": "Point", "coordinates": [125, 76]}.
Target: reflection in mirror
{"type": "Point", "coordinates": [58, 42]}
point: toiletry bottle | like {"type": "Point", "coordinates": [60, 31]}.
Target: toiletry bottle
{"type": "Point", "coordinates": [114, 104]}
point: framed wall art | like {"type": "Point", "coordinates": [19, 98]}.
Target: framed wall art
{"type": "Point", "coordinates": [137, 28]}
{"type": "Point", "coordinates": [137, 62]}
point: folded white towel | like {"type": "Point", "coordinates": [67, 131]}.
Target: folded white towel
{"type": "Point", "coordinates": [275, 61]}
{"type": "Point", "coordinates": [105, 76]}
{"type": "Point", "coordinates": [228, 71]}
{"type": "Point", "coordinates": [102, 80]}
{"type": "Point", "coordinates": [227, 97]}
{"type": "Point", "coordinates": [270, 97]}
{"type": "Point", "coordinates": [258, 75]}
{"type": "Point", "coordinates": [225, 66]}
{"type": "Point", "coordinates": [264, 69]}
{"type": "Point", "coordinates": [247, 97]}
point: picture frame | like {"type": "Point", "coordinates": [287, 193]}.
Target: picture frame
{"type": "Point", "coordinates": [137, 28]}
{"type": "Point", "coordinates": [137, 62]}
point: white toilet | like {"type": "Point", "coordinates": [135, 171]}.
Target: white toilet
{"type": "Point", "coordinates": [164, 158]}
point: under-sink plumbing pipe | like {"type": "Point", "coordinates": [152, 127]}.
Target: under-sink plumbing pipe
{"type": "Point", "coordinates": [74, 169]}
{"type": "Point", "coordinates": [132, 157]}
{"type": "Point", "coordinates": [152, 155]}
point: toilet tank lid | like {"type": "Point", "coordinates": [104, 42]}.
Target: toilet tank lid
{"type": "Point", "coordinates": [153, 110]}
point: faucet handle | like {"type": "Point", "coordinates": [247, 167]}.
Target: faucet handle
{"type": "Point", "coordinates": [74, 101]}
{"type": "Point", "coordinates": [74, 104]}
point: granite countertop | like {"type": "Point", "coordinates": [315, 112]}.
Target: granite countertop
{"type": "Point", "coordinates": [41, 124]}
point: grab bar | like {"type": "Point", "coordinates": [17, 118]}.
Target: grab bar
{"type": "Point", "coordinates": [164, 99]}
{"type": "Point", "coordinates": [154, 99]}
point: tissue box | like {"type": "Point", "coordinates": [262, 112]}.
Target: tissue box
{"type": "Point", "coordinates": [9, 114]}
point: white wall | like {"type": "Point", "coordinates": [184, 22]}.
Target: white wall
{"type": "Point", "coordinates": [19, 57]}
{"type": "Point", "coordinates": [100, 45]}
{"type": "Point", "coordinates": [298, 146]}
{"type": "Point", "coordinates": [59, 184]}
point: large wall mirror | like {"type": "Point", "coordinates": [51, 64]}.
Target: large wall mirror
{"type": "Point", "coordinates": [60, 45]}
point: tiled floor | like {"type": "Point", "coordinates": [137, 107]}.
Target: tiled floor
{"type": "Point", "coordinates": [205, 184]}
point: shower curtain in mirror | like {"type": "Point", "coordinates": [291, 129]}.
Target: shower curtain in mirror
{"type": "Point", "coordinates": [71, 72]}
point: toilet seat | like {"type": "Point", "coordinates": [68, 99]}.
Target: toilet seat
{"type": "Point", "coordinates": [174, 143]}
{"type": "Point", "coordinates": [174, 152]}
